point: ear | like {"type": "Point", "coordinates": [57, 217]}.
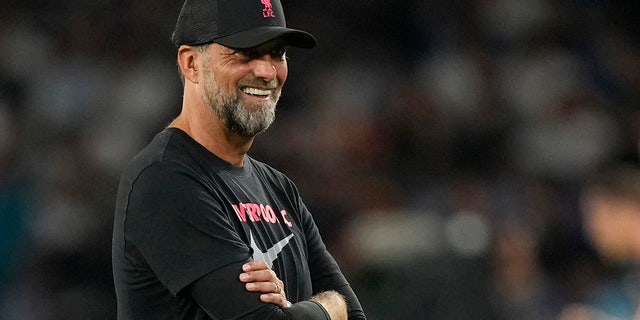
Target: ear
{"type": "Point", "coordinates": [187, 62]}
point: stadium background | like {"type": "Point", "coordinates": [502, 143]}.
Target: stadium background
{"type": "Point", "coordinates": [441, 145]}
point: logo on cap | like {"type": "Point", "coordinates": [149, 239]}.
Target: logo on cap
{"type": "Point", "coordinates": [267, 12]}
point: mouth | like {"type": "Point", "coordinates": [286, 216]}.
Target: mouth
{"type": "Point", "coordinates": [257, 92]}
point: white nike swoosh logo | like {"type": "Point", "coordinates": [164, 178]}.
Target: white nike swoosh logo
{"type": "Point", "coordinates": [272, 253]}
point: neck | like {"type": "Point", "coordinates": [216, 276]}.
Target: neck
{"type": "Point", "coordinates": [206, 129]}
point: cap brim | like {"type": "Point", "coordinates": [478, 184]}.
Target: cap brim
{"type": "Point", "coordinates": [257, 36]}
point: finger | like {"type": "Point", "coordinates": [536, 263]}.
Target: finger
{"type": "Point", "coordinates": [265, 287]}
{"type": "Point", "coordinates": [254, 265]}
{"type": "Point", "coordinates": [275, 299]}
{"type": "Point", "coordinates": [278, 289]}
{"type": "Point", "coordinates": [263, 275]}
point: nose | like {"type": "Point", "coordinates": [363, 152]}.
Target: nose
{"type": "Point", "coordinates": [264, 68]}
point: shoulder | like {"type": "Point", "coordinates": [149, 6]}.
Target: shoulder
{"type": "Point", "coordinates": [167, 145]}
{"type": "Point", "coordinates": [158, 168]}
{"type": "Point", "coordinates": [171, 151]}
{"type": "Point", "coordinates": [168, 180]}
{"type": "Point", "coordinates": [154, 152]}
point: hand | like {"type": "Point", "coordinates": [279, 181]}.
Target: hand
{"type": "Point", "coordinates": [258, 277]}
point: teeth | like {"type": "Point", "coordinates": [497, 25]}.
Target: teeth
{"type": "Point", "coordinates": [256, 91]}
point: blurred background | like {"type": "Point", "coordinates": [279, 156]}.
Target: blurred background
{"type": "Point", "coordinates": [440, 145]}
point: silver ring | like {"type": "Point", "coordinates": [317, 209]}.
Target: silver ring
{"type": "Point", "coordinates": [278, 290]}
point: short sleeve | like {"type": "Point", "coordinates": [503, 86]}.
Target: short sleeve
{"type": "Point", "coordinates": [174, 220]}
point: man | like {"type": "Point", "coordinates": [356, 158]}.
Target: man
{"type": "Point", "coordinates": [202, 230]}
{"type": "Point", "coordinates": [611, 202]}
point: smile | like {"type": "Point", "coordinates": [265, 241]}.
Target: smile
{"type": "Point", "coordinates": [256, 91]}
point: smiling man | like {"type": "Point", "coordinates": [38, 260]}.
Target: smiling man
{"type": "Point", "coordinates": [202, 230]}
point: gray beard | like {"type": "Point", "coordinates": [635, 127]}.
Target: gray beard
{"type": "Point", "coordinates": [235, 115]}
{"type": "Point", "coordinates": [240, 120]}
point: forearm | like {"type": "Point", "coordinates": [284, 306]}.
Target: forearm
{"type": "Point", "coordinates": [304, 310]}
{"type": "Point", "coordinates": [260, 278]}
{"type": "Point", "coordinates": [354, 309]}
{"type": "Point", "coordinates": [328, 305]}
{"type": "Point", "coordinates": [334, 303]}
{"type": "Point", "coordinates": [222, 296]}
{"type": "Point", "coordinates": [337, 282]}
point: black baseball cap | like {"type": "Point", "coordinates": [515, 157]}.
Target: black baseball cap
{"type": "Point", "coordinates": [238, 24]}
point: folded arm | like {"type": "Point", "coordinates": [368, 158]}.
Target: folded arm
{"type": "Point", "coordinates": [223, 296]}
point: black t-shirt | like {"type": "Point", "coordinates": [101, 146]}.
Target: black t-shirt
{"type": "Point", "coordinates": [183, 213]}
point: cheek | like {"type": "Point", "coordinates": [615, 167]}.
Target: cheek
{"type": "Point", "coordinates": [595, 221]}
{"type": "Point", "coordinates": [282, 72]}
{"type": "Point", "coordinates": [605, 233]}
{"type": "Point", "coordinates": [226, 78]}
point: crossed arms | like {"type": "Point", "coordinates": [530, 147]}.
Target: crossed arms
{"type": "Point", "coordinates": [259, 280]}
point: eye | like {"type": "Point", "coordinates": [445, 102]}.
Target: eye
{"type": "Point", "coordinates": [249, 54]}
{"type": "Point", "coordinates": [278, 53]}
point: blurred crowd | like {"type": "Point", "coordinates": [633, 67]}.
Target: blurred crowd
{"type": "Point", "coordinates": [442, 146]}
